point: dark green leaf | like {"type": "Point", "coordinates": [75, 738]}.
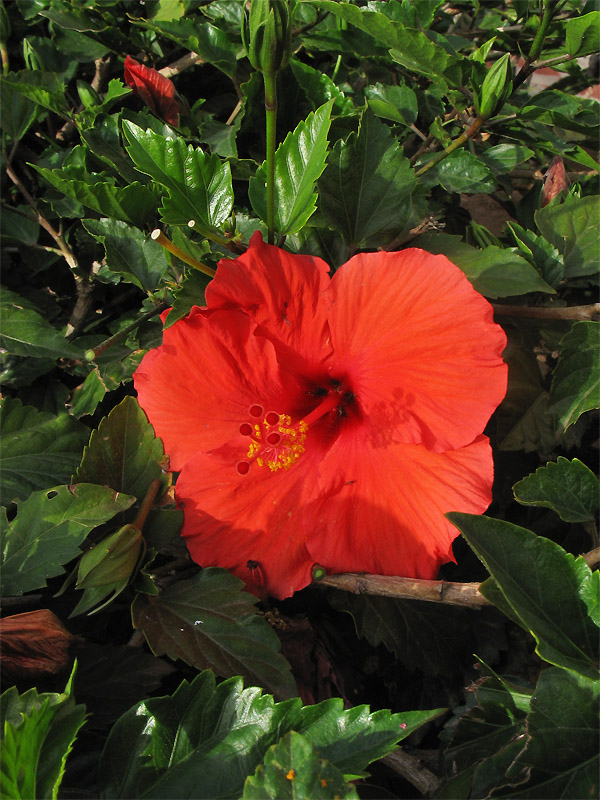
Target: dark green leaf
{"type": "Point", "coordinates": [134, 203]}
{"type": "Point", "coordinates": [576, 379]}
{"type": "Point", "coordinates": [48, 529]}
{"type": "Point", "coordinates": [123, 453]}
{"type": "Point", "coordinates": [292, 769]}
{"type": "Point", "coordinates": [19, 227]}
{"type": "Point", "coordinates": [46, 89]}
{"type": "Point", "coordinates": [37, 449]}
{"type": "Point", "coordinates": [104, 142]}
{"type": "Point", "coordinates": [552, 592]}
{"type": "Point", "coordinates": [504, 157]}
{"type": "Point", "coordinates": [38, 734]}
{"type": "Point", "coordinates": [397, 103]}
{"type": "Point", "coordinates": [583, 34]}
{"type": "Point", "coordinates": [319, 88]}
{"type": "Point", "coordinates": [572, 227]}
{"type": "Point", "coordinates": [205, 740]}
{"type": "Point", "coordinates": [25, 332]}
{"type": "Point", "coordinates": [560, 756]}
{"type": "Point", "coordinates": [199, 185]}
{"type": "Point", "coordinates": [208, 621]}
{"type": "Point", "coordinates": [365, 191]}
{"type": "Point", "coordinates": [494, 272]}
{"type": "Point", "coordinates": [18, 111]}
{"type": "Point", "coordinates": [299, 161]}
{"type": "Point", "coordinates": [567, 487]}
{"type": "Point", "coordinates": [539, 252]}
{"type": "Point", "coordinates": [461, 171]}
{"type": "Point", "coordinates": [87, 395]}
{"type": "Point", "coordinates": [190, 294]}
{"type": "Point", "coordinates": [129, 252]}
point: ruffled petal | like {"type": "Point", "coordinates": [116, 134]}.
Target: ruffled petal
{"type": "Point", "coordinates": [197, 387]}
{"type": "Point", "coordinates": [231, 519]}
{"type": "Point", "coordinates": [283, 294]}
{"type": "Point", "coordinates": [419, 346]}
{"type": "Point", "coordinates": [381, 509]}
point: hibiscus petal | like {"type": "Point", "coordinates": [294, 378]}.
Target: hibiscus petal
{"type": "Point", "coordinates": [382, 507]}
{"type": "Point", "coordinates": [231, 519]}
{"type": "Point", "coordinates": [419, 346]}
{"type": "Point", "coordinates": [197, 387]}
{"type": "Point", "coordinates": [282, 292]}
{"type": "Point", "coordinates": [154, 89]}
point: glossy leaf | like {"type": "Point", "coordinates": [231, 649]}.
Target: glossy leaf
{"type": "Point", "coordinates": [575, 385]}
{"type": "Point", "coordinates": [365, 191]}
{"type": "Point", "coordinates": [461, 171]}
{"type": "Point", "coordinates": [25, 332]}
{"type": "Point", "coordinates": [319, 88]}
{"type": "Point", "coordinates": [37, 449]}
{"type": "Point", "coordinates": [572, 227]}
{"type": "Point", "coordinates": [583, 34]}
{"type": "Point", "coordinates": [199, 185]}
{"type": "Point", "coordinates": [539, 252]}
{"type": "Point", "coordinates": [495, 272]}
{"type": "Point", "coordinates": [210, 622]}
{"type": "Point", "coordinates": [134, 203]}
{"type": "Point", "coordinates": [502, 158]}
{"type": "Point", "coordinates": [299, 162]}
{"type": "Point", "coordinates": [292, 769]}
{"type": "Point", "coordinates": [191, 293]}
{"type": "Point", "coordinates": [205, 740]}
{"type": "Point", "coordinates": [130, 252]}
{"type": "Point", "coordinates": [567, 487]}
{"type": "Point", "coordinates": [560, 757]}
{"type": "Point", "coordinates": [396, 103]}
{"type": "Point", "coordinates": [49, 528]}
{"type": "Point", "coordinates": [551, 591]}
{"type": "Point", "coordinates": [38, 733]}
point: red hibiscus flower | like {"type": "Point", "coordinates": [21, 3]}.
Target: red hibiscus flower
{"type": "Point", "coordinates": [155, 90]}
{"type": "Point", "coordinates": [327, 420]}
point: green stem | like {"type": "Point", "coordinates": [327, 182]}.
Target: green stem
{"type": "Point", "coordinates": [91, 355]}
{"type": "Point", "coordinates": [271, 123]}
{"type": "Point", "coordinates": [458, 142]}
{"type": "Point", "coordinates": [549, 7]}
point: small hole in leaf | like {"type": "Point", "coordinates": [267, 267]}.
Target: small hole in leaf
{"type": "Point", "coordinates": [51, 494]}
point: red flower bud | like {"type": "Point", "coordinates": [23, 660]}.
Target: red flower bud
{"type": "Point", "coordinates": [555, 181]}
{"type": "Point", "coordinates": [155, 90]}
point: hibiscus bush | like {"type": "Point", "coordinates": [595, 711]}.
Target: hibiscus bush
{"type": "Point", "coordinates": [300, 360]}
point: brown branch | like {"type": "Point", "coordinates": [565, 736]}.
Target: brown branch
{"type": "Point", "coordinates": [589, 312]}
{"type": "Point", "coordinates": [592, 558]}
{"type": "Point", "coordinates": [457, 594]}
{"type": "Point", "coordinates": [183, 63]}
{"type": "Point", "coordinates": [411, 768]}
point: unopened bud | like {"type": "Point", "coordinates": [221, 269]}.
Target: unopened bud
{"type": "Point", "coordinates": [496, 87]}
{"type": "Point", "coordinates": [267, 34]}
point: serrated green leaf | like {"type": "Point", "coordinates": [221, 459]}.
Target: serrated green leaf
{"type": "Point", "coordinates": [319, 88]}
{"type": "Point", "coordinates": [191, 293]}
{"type": "Point", "coordinates": [46, 89]}
{"type": "Point", "coordinates": [494, 272]}
{"type": "Point", "coordinates": [209, 622]}
{"type": "Point", "coordinates": [551, 591]}
{"type": "Point", "coordinates": [583, 34]}
{"type": "Point", "coordinates": [37, 449]}
{"type": "Point", "coordinates": [25, 332]}
{"type": "Point", "coordinates": [572, 227]}
{"type": "Point", "coordinates": [397, 103]}
{"type": "Point", "coordinates": [48, 529]}
{"type": "Point", "coordinates": [38, 733]}
{"type": "Point", "coordinates": [299, 161]}
{"type": "Point", "coordinates": [104, 141]}
{"type": "Point", "coordinates": [129, 252]}
{"type": "Point", "coordinates": [292, 769]}
{"type": "Point", "coordinates": [199, 185]}
{"type": "Point", "coordinates": [18, 111]}
{"type": "Point", "coordinates": [539, 252]}
{"type": "Point", "coordinates": [123, 452]}
{"type": "Point", "coordinates": [134, 203]}
{"type": "Point", "coordinates": [560, 754]}
{"type": "Point", "coordinates": [575, 385]}
{"type": "Point", "coordinates": [87, 395]}
{"type": "Point", "coordinates": [567, 487]}
{"type": "Point", "coordinates": [365, 191]}
{"type": "Point", "coordinates": [205, 740]}
{"type": "Point", "coordinates": [461, 172]}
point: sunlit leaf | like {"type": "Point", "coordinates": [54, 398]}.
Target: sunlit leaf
{"type": "Point", "coordinates": [572, 227]}
{"type": "Point", "coordinates": [568, 487]}
{"type": "Point", "coordinates": [575, 385]}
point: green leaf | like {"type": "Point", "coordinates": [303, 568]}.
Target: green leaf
{"type": "Point", "coordinates": [191, 293]}
{"type": "Point", "coordinates": [205, 740]}
{"type": "Point", "coordinates": [104, 142]}
{"type": "Point", "coordinates": [576, 378]}
{"type": "Point", "coordinates": [292, 769]}
{"type": "Point", "coordinates": [397, 103]}
{"type": "Point", "coordinates": [25, 332]}
{"type": "Point", "coordinates": [87, 395]}
{"type": "Point", "coordinates": [134, 203]}
{"type": "Point", "coordinates": [567, 487]}
{"type": "Point", "coordinates": [37, 449]}
{"type": "Point", "coordinates": [46, 89]}
{"type": "Point", "coordinates": [18, 112]}
{"type": "Point", "coordinates": [560, 753]}
{"type": "Point", "coordinates": [460, 171]}
{"type": "Point", "coordinates": [365, 191]}
{"type": "Point", "coordinates": [123, 452]}
{"type": "Point", "coordinates": [539, 252]}
{"type": "Point", "coordinates": [38, 733]}
{"type": "Point", "coordinates": [48, 529]}
{"type": "Point", "coordinates": [19, 227]}
{"type": "Point", "coordinates": [299, 161]}
{"type": "Point", "coordinates": [494, 272]}
{"type": "Point", "coordinates": [199, 185]}
{"type": "Point", "coordinates": [502, 158]}
{"type": "Point", "coordinates": [583, 34]}
{"type": "Point", "coordinates": [319, 88]}
{"type": "Point", "coordinates": [572, 227]}
{"type": "Point", "coordinates": [209, 621]}
{"type": "Point", "coordinates": [129, 252]}
{"type": "Point", "coordinates": [551, 591]}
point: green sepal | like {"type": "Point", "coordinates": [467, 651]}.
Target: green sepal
{"type": "Point", "coordinates": [496, 87]}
